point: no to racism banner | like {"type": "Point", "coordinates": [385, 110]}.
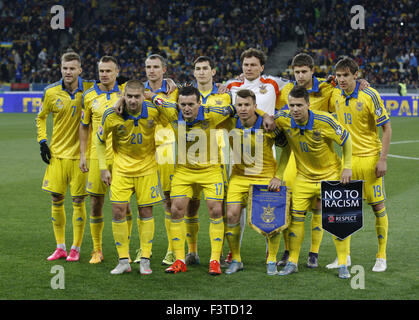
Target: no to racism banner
{"type": "Point", "coordinates": [342, 207]}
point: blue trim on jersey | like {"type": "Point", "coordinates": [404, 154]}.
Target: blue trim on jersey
{"type": "Point", "coordinates": [143, 114]}
{"type": "Point", "coordinates": [150, 204]}
{"type": "Point", "coordinates": [43, 140]}
{"type": "Point", "coordinates": [315, 86]}
{"type": "Point", "coordinates": [108, 93]}
{"type": "Point", "coordinates": [380, 124]}
{"type": "Point", "coordinates": [346, 137]}
{"type": "Point", "coordinates": [373, 97]}
{"type": "Point", "coordinates": [200, 117]}
{"type": "Point", "coordinates": [163, 87]}
{"type": "Point", "coordinates": [213, 91]}
{"type": "Point", "coordinates": [79, 88]}
{"type": "Point", "coordinates": [326, 119]}
{"type": "Point", "coordinates": [255, 127]}
{"type": "Point", "coordinates": [354, 94]}
{"type": "Point", "coordinates": [84, 125]}
{"type": "Point", "coordinates": [308, 126]}
{"type": "Point", "coordinates": [99, 137]}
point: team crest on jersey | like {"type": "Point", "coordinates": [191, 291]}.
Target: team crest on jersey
{"type": "Point", "coordinates": [59, 104]}
{"type": "Point", "coordinates": [218, 102]}
{"type": "Point", "coordinates": [317, 135]}
{"type": "Point", "coordinates": [121, 130]}
{"type": "Point", "coordinates": [263, 89]}
{"type": "Point", "coordinates": [95, 104]}
{"type": "Point", "coordinates": [338, 130]}
{"type": "Point", "coordinates": [378, 111]}
{"type": "Point", "coordinates": [359, 106]}
{"type": "Point", "coordinates": [205, 124]}
{"type": "Point", "coordinates": [150, 123]}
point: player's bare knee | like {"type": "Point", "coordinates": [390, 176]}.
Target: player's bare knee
{"type": "Point", "coordinates": [119, 211]}
{"type": "Point", "coordinates": [378, 206]}
{"type": "Point", "coordinates": [96, 203]}
{"type": "Point", "coordinates": [178, 208]}
{"type": "Point", "coordinates": [145, 212]}
{"type": "Point", "coordinates": [215, 209]}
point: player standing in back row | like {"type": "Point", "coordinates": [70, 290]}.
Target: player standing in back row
{"type": "Point", "coordinates": [63, 100]}
{"type": "Point", "coordinates": [362, 112]}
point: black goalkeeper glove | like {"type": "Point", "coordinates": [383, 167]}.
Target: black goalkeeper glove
{"type": "Point", "coordinates": [45, 152]}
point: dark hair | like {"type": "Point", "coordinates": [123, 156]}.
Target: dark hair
{"type": "Point", "coordinates": [252, 52]}
{"type": "Point", "coordinates": [70, 56]}
{"type": "Point", "coordinates": [302, 60]}
{"type": "Point", "coordinates": [300, 92]}
{"type": "Point", "coordinates": [204, 59]}
{"type": "Point", "coordinates": [245, 93]}
{"type": "Point", "coordinates": [189, 91]}
{"type": "Point", "coordinates": [347, 63]}
{"type": "Point", "coordinates": [108, 59]}
{"type": "Point", "coordinates": [157, 56]}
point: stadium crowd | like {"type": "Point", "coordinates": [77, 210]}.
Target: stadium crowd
{"type": "Point", "coordinates": [182, 30]}
{"type": "Point", "coordinates": [386, 50]}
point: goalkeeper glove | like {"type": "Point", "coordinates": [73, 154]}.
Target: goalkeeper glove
{"type": "Point", "coordinates": [45, 152]}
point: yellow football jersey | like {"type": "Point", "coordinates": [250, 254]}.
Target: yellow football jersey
{"type": "Point", "coordinates": [252, 150]}
{"type": "Point", "coordinates": [320, 94]}
{"type": "Point", "coordinates": [361, 113]}
{"type": "Point", "coordinates": [164, 132]}
{"type": "Point", "coordinates": [312, 143]}
{"type": "Point", "coordinates": [66, 112]}
{"type": "Point", "coordinates": [213, 98]}
{"type": "Point", "coordinates": [197, 141]}
{"type": "Point", "coordinates": [94, 103]}
{"type": "Point", "coordinates": [133, 140]}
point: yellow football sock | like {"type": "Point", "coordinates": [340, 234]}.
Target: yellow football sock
{"type": "Point", "coordinates": [177, 231]}
{"type": "Point", "coordinates": [286, 239]}
{"type": "Point", "coordinates": [120, 235]}
{"type": "Point", "coordinates": [296, 235]}
{"type": "Point", "coordinates": [167, 221]}
{"type": "Point", "coordinates": [381, 228]}
{"type": "Point", "coordinates": [273, 247]}
{"type": "Point", "coordinates": [192, 228]}
{"type": "Point", "coordinates": [58, 220]}
{"type": "Point", "coordinates": [316, 231]}
{"type": "Point", "coordinates": [146, 231]}
{"type": "Point", "coordinates": [79, 222]}
{"type": "Point", "coordinates": [341, 250]}
{"type": "Point", "coordinates": [233, 232]}
{"type": "Point", "coordinates": [216, 233]}
{"type": "Point", "coordinates": [96, 230]}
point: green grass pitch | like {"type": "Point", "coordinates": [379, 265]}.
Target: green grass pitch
{"type": "Point", "coordinates": [27, 239]}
